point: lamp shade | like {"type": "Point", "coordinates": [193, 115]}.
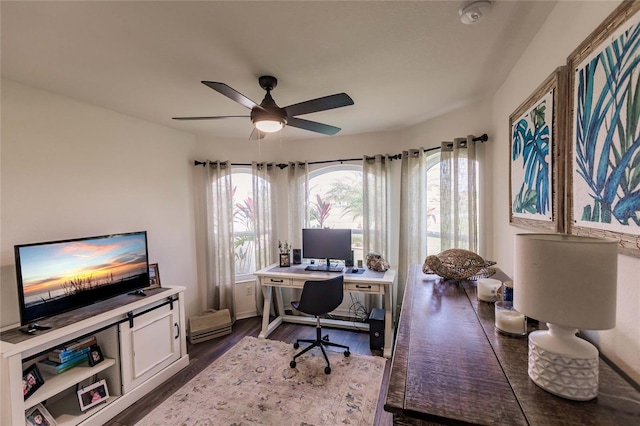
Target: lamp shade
{"type": "Point", "coordinates": [269, 126]}
{"type": "Point", "coordinates": [566, 279]}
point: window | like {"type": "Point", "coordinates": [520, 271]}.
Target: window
{"type": "Point", "coordinates": [335, 201]}
{"type": "Point", "coordinates": [243, 224]}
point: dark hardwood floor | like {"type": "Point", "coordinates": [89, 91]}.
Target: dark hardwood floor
{"type": "Point", "coordinates": [202, 354]}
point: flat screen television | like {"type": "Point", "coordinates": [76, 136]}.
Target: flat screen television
{"type": "Point", "coordinates": [58, 276]}
{"type": "Point", "coordinates": [329, 244]}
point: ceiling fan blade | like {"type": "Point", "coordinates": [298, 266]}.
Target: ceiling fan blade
{"type": "Point", "coordinates": [312, 126]}
{"type": "Point", "coordinates": [210, 118]}
{"type": "Point", "coordinates": [321, 104]}
{"type": "Point", "coordinates": [232, 94]}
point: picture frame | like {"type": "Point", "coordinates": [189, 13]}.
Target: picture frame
{"type": "Point", "coordinates": [603, 166]}
{"type": "Point", "coordinates": [39, 416]}
{"type": "Point", "coordinates": [95, 355]}
{"type": "Point", "coordinates": [285, 260]}
{"type": "Point", "coordinates": [31, 380]}
{"type": "Point", "coordinates": [537, 140]}
{"type": "Point", "coordinates": [154, 276]}
{"type": "Point", "coordinates": [93, 395]}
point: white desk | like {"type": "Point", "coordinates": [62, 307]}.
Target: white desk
{"type": "Point", "coordinates": [273, 278]}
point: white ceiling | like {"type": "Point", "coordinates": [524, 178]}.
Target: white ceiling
{"type": "Point", "coordinates": [401, 62]}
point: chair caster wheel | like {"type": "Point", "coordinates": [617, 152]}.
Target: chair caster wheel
{"type": "Point", "coordinates": [347, 353]}
{"type": "Point", "coordinates": [327, 370]}
{"type": "Point", "coordinates": [296, 345]}
{"type": "Point", "coordinates": [292, 364]}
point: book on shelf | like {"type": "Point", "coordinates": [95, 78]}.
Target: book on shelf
{"type": "Point", "coordinates": [53, 367]}
{"type": "Point", "coordinates": [64, 352]}
{"type": "Point", "coordinates": [60, 358]}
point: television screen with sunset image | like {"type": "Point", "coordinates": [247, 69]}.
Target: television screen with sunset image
{"type": "Point", "coordinates": [58, 276]}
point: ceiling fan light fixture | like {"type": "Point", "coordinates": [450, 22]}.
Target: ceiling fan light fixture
{"type": "Point", "coordinates": [269, 125]}
{"type": "Point", "coordinates": [268, 117]}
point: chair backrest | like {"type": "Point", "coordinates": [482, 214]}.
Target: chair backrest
{"type": "Point", "coordinates": [321, 297]}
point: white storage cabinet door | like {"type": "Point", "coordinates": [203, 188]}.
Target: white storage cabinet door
{"type": "Point", "coordinates": [150, 345]}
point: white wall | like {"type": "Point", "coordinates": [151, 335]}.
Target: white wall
{"type": "Point", "coordinates": [70, 169]}
{"type": "Point", "coordinates": [567, 26]}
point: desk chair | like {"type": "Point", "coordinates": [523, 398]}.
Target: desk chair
{"type": "Point", "coordinates": [319, 298]}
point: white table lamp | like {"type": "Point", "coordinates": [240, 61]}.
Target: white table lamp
{"type": "Point", "coordinates": [568, 282]}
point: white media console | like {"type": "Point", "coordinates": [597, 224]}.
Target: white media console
{"type": "Point", "coordinates": [142, 340]}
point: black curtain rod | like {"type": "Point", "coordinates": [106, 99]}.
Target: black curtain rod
{"type": "Point", "coordinates": [481, 139]}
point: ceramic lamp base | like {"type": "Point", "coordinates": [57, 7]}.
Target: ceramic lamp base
{"type": "Point", "coordinates": [563, 364]}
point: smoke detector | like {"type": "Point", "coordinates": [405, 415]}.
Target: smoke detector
{"type": "Point", "coordinates": [473, 12]}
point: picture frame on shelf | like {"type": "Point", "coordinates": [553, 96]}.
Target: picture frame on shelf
{"type": "Point", "coordinates": [537, 138]}
{"type": "Point", "coordinates": [285, 260]}
{"type": "Point", "coordinates": [93, 395]}
{"type": "Point", "coordinates": [95, 355]}
{"type": "Point", "coordinates": [31, 380]}
{"type": "Point", "coordinates": [39, 416]}
{"type": "Point", "coordinates": [603, 170]}
{"type": "Point", "coordinates": [154, 276]}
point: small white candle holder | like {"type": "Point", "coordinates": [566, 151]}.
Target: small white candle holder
{"type": "Point", "coordinates": [509, 321]}
{"type": "Point", "coordinates": [487, 290]}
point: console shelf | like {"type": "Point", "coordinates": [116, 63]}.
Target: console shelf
{"type": "Point", "coordinates": [54, 384]}
{"type": "Point", "coordinates": [124, 326]}
{"type": "Point", "coordinates": [67, 413]}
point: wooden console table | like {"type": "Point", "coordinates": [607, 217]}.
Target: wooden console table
{"type": "Point", "coordinates": [450, 366]}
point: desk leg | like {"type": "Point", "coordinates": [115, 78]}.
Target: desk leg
{"type": "Point", "coordinates": [279, 302]}
{"type": "Point", "coordinates": [268, 327]}
{"type": "Point", "coordinates": [388, 310]}
{"type": "Point", "coordinates": [266, 292]}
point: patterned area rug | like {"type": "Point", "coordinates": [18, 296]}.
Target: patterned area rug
{"type": "Point", "coordinates": [252, 384]}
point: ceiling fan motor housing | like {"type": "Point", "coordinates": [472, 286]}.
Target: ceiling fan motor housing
{"type": "Point", "coordinates": [268, 109]}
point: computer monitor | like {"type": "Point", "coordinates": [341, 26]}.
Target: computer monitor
{"type": "Point", "coordinates": [326, 244]}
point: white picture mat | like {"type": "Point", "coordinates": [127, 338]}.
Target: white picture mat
{"type": "Point", "coordinates": [87, 402]}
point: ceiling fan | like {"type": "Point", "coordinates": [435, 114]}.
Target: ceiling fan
{"type": "Point", "coordinates": [268, 117]}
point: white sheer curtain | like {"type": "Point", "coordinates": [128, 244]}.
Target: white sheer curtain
{"type": "Point", "coordinates": [458, 195]}
{"type": "Point", "coordinates": [298, 182]}
{"type": "Point", "coordinates": [413, 215]}
{"type": "Point", "coordinates": [218, 289]}
{"type": "Point", "coordinates": [375, 229]}
{"type": "Point", "coordinates": [265, 223]}
{"type": "Point", "coordinates": [298, 202]}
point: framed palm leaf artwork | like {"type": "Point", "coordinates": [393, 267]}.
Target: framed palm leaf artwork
{"type": "Point", "coordinates": [604, 153]}
{"type": "Point", "coordinates": [537, 134]}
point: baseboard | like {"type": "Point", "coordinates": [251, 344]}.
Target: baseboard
{"type": "Point", "coordinates": [246, 314]}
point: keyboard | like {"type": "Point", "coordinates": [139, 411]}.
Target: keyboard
{"type": "Point", "coordinates": [323, 268]}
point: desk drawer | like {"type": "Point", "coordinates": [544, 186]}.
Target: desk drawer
{"type": "Point", "coordinates": [278, 282]}
{"type": "Point", "coordinates": [363, 288]}
{"type": "Point", "coordinates": [297, 283]}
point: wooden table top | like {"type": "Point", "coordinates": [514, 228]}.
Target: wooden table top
{"type": "Point", "coordinates": [451, 366]}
